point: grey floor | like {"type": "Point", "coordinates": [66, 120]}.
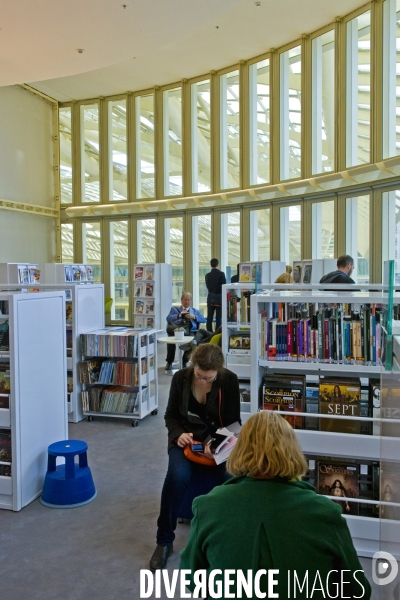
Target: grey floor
{"type": "Point", "coordinates": [95, 552]}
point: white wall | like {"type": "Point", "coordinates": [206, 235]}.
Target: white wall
{"type": "Point", "coordinates": [26, 175]}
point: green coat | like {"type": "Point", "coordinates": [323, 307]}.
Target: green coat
{"type": "Point", "coordinates": [257, 524]}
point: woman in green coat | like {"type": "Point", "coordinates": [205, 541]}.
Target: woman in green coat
{"type": "Point", "coordinates": [264, 519]}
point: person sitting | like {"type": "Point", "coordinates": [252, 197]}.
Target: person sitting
{"type": "Point", "coordinates": [345, 267]}
{"type": "Point", "coordinates": [202, 398]}
{"type": "Point", "coordinates": [189, 319]}
{"type": "Point", "coordinates": [285, 277]}
{"type": "Point", "coordinates": [266, 517]}
{"type": "Point", "coordinates": [235, 278]}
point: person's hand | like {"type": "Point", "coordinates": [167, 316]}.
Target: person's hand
{"type": "Point", "coordinates": [184, 439]}
{"type": "Point", "coordinates": [207, 451]}
{"type": "Point", "coordinates": [189, 316]}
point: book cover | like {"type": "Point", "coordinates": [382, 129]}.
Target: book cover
{"type": "Point", "coordinates": [139, 290]}
{"type": "Point", "coordinates": [34, 274]}
{"type": "Point", "coordinates": [5, 445]}
{"type": "Point", "coordinates": [139, 306]}
{"type": "Point", "coordinates": [4, 382]}
{"type": "Point", "coordinates": [244, 390]}
{"type": "Point", "coordinates": [89, 273]}
{"type": "Point", "coordinates": [340, 480]}
{"type": "Point", "coordinates": [140, 321]}
{"type": "Point", "coordinates": [149, 290]}
{"type": "Point", "coordinates": [149, 307]}
{"type": "Point", "coordinates": [297, 274]}
{"type": "Point", "coordinates": [245, 273]}
{"type": "Point", "coordinates": [342, 398]}
{"type": "Point", "coordinates": [284, 396]}
{"type": "Point", "coordinates": [68, 276]}
{"type": "Point", "coordinates": [375, 404]}
{"type": "Point", "coordinates": [68, 313]}
{"type": "Point", "coordinates": [307, 273]}
{"type": "Point", "coordinates": [5, 470]}
{"type": "Point", "coordinates": [149, 272]}
{"type": "Point", "coordinates": [390, 490]}
{"type": "Point", "coordinates": [76, 273]}
{"type": "Point", "coordinates": [149, 322]}
{"type": "Point", "coordinates": [138, 272]}
{"type": "Point", "coordinates": [82, 273]}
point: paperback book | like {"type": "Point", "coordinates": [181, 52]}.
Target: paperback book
{"type": "Point", "coordinates": [340, 397]}
{"type": "Point", "coordinates": [5, 445]}
{"type": "Point", "coordinates": [340, 480]}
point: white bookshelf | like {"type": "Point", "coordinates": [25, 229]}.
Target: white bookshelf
{"type": "Point", "coordinates": [37, 413]}
{"type": "Point", "coordinates": [152, 295]}
{"type": "Point", "coordinates": [368, 532]}
{"type": "Point", "coordinates": [312, 270]}
{"type": "Point", "coordinates": [20, 273]}
{"type": "Point", "coordinates": [66, 273]}
{"type": "Point", "coordinates": [268, 271]}
{"type": "Point", "coordinates": [147, 384]}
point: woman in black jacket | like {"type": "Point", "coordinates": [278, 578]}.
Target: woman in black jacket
{"type": "Point", "coordinates": [202, 398]}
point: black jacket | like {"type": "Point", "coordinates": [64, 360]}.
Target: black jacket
{"type": "Point", "coordinates": [215, 280]}
{"type": "Point", "coordinates": [336, 277]}
{"type": "Point", "coordinates": [176, 416]}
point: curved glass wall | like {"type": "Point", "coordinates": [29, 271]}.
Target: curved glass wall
{"type": "Point", "coordinates": [118, 155]}
{"type": "Point", "coordinates": [323, 102]}
{"type": "Point", "coordinates": [90, 153]}
{"type": "Point", "coordinates": [172, 135]}
{"type": "Point", "coordinates": [201, 136]}
{"type": "Point", "coordinates": [145, 146]}
{"type": "Point", "coordinates": [260, 120]}
{"type": "Point", "coordinates": [230, 130]}
{"type": "Point", "coordinates": [290, 116]}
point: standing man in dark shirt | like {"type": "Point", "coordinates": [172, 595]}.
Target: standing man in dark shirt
{"type": "Point", "coordinates": [214, 282]}
{"type": "Point", "coordinates": [345, 266]}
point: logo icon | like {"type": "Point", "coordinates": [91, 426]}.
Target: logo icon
{"type": "Point", "coordinates": [384, 568]}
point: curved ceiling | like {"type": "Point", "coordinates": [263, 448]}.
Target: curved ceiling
{"type": "Point", "coordinates": [131, 45]}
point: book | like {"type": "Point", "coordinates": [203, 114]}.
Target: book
{"type": "Point", "coordinates": [225, 439]}
{"type": "Point", "coordinates": [149, 272]}
{"type": "Point", "coordinates": [239, 344]}
{"type": "Point", "coordinates": [76, 273]}
{"type": "Point", "coordinates": [374, 399]}
{"type": "Point", "coordinates": [149, 307]}
{"type": "Point", "coordinates": [5, 445]}
{"type": "Point", "coordinates": [139, 289]}
{"type": "Point", "coordinates": [390, 490]}
{"type": "Point", "coordinates": [297, 274]}
{"type": "Point", "coordinates": [139, 306]}
{"type": "Point", "coordinates": [34, 274]}
{"type": "Point", "coordinates": [82, 273]}
{"type": "Point", "coordinates": [138, 272]}
{"type": "Point", "coordinates": [340, 397]}
{"type": "Point", "coordinates": [4, 336]}
{"type": "Point", "coordinates": [4, 381]}
{"type": "Point", "coordinates": [340, 480]}
{"type": "Point", "coordinates": [245, 273]}
{"type": "Point", "coordinates": [68, 313]}
{"type": "Point", "coordinates": [89, 371]}
{"type": "Point", "coordinates": [284, 394]}
{"type": "Point", "coordinates": [149, 323]}
{"type": "Point", "coordinates": [68, 275]}
{"type": "Point", "coordinates": [149, 290]}
{"type": "Point", "coordinates": [89, 273]}
{"type": "Point", "coordinates": [307, 273]}
{"type": "Point", "coordinates": [244, 390]}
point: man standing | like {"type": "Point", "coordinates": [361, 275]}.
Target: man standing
{"type": "Point", "coordinates": [345, 267]}
{"type": "Point", "coordinates": [186, 317]}
{"type": "Point", "coordinates": [214, 282]}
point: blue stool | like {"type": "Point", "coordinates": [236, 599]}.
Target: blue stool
{"type": "Point", "coordinates": [70, 484]}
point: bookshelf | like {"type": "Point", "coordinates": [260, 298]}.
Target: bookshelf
{"type": "Point", "coordinates": [380, 445]}
{"type": "Point", "coordinates": [20, 273]}
{"type": "Point", "coordinates": [152, 295]}
{"type": "Point", "coordinates": [66, 273]}
{"type": "Point", "coordinates": [33, 411]}
{"type": "Point", "coordinates": [261, 272]}
{"type": "Point", "coordinates": [118, 373]}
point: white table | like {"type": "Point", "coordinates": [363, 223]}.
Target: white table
{"type": "Point", "coordinates": [172, 340]}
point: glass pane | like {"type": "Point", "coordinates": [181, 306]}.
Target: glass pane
{"type": "Point", "coordinates": [91, 246]}
{"type": "Point", "coordinates": [391, 230]}
{"type": "Point", "coordinates": [230, 130]}
{"type": "Point", "coordinates": [290, 118]}
{"type": "Point", "coordinates": [201, 136]}
{"type": "Point", "coordinates": [172, 119]}
{"type": "Point", "coordinates": [174, 254]}
{"type": "Point", "coordinates": [323, 107]}
{"type": "Point", "coordinates": [90, 153]}
{"type": "Point", "coordinates": [230, 243]}
{"type": "Point", "coordinates": [145, 170]}
{"type": "Point", "coordinates": [259, 122]}
{"type": "Point", "coordinates": [118, 159]}
{"type": "Point", "coordinates": [357, 236]}
{"type": "Point", "coordinates": [290, 233]}
{"type": "Point", "coordinates": [67, 243]}
{"type": "Point", "coordinates": [119, 270]}
{"type": "Point", "coordinates": [391, 78]}
{"type": "Point", "coordinates": [64, 117]}
{"type": "Point", "coordinates": [323, 229]}
{"type": "Point", "coordinates": [201, 249]}
{"type": "Point", "coordinates": [260, 235]}
{"type": "Point", "coordinates": [146, 241]}
{"type": "Point", "coordinates": [358, 97]}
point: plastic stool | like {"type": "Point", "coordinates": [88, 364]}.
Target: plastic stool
{"type": "Point", "coordinates": [70, 484]}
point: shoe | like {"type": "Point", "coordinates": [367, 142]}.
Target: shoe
{"type": "Point", "coordinates": [160, 557]}
{"type": "Point", "coordinates": [168, 366]}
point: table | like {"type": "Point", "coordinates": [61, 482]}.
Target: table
{"type": "Point", "coordinates": [172, 340]}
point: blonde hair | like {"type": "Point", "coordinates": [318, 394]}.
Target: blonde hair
{"type": "Point", "coordinates": [267, 447]}
{"type": "Point", "coordinates": [285, 277]}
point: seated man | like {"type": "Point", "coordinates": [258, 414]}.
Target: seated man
{"type": "Point", "coordinates": [186, 317]}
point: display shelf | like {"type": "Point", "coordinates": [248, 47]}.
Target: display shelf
{"type": "Point", "coordinates": [37, 415]}
{"type": "Point", "coordinates": [369, 534]}
{"type": "Point", "coordinates": [152, 295]}
{"type": "Point", "coordinates": [146, 401]}
{"type": "Point", "coordinates": [20, 273]}
{"type": "Point", "coordinates": [65, 273]}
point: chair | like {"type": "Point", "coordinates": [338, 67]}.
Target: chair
{"type": "Point", "coordinates": [70, 484]}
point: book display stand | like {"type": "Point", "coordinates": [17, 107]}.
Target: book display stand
{"type": "Point", "coordinates": [118, 372]}
{"type": "Point", "coordinates": [152, 295]}
{"type": "Point", "coordinates": [316, 357]}
{"type": "Point", "coordinates": [66, 273]}
{"type": "Point", "coordinates": [33, 386]}
{"type": "Point", "coordinates": [260, 272]}
{"type": "Point", "coordinates": [20, 273]}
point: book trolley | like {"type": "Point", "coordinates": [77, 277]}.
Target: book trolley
{"type": "Point", "coordinates": [118, 373]}
{"type": "Point", "coordinates": [373, 451]}
{"type": "Point", "coordinates": [33, 389]}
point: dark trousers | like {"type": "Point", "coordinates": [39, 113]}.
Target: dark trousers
{"type": "Point", "coordinates": [210, 315]}
{"type": "Point", "coordinates": [177, 480]}
{"type": "Point", "coordinates": [172, 347]}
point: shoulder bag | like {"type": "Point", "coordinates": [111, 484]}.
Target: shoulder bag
{"type": "Point", "coordinates": [199, 457]}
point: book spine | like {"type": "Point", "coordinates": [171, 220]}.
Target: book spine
{"type": "Point", "coordinates": [320, 338]}
{"type": "Point", "coordinates": [289, 334]}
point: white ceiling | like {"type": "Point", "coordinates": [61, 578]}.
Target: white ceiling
{"type": "Point", "coordinates": [148, 43]}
